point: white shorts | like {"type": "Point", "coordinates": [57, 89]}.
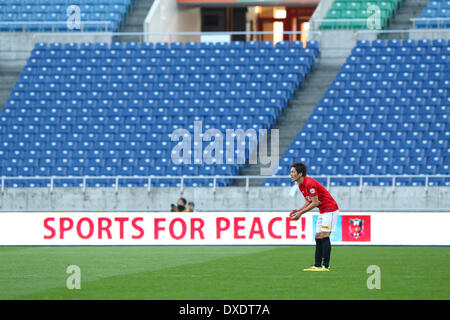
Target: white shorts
{"type": "Point", "coordinates": [326, 222]}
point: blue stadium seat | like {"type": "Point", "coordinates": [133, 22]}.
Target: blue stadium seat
{"type": "Point", "coordinates": [120, 102]}
{"type": "Point", "coordinates": [385, 100]}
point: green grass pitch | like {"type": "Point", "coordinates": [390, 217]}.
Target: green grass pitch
{"type": "Point", "coordinates": [223, 272]}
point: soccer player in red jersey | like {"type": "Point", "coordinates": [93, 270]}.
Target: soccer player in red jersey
{"type": "Point", "coordinates": [316, 196]}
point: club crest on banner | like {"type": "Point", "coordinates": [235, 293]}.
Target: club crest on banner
{"type": "Point", "coordinates": [356, 228]}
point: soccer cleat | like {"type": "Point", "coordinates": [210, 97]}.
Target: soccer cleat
{"type": "Point", "coordinates": [319, 269]}
{"type": "Point", "coordinates": [313, 268]}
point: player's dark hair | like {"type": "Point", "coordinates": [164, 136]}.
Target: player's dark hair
{"type": "Point", "coordinates": [300, 167]}
{"type": "Point", "coordinates": [184, 201]}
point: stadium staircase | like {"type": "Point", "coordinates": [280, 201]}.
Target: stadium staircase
{"type": "Point", "coordinates": [11, 65]}
{"type": "Point", "coordinates": [290, 123]}
{"type": "Point", "coordinates": [409, 9]}
{"type": "Point", "coordinates": [135, 21]}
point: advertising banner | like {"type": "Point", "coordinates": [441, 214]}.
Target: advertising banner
{"type": "Point", "coordinates": [214, 228]}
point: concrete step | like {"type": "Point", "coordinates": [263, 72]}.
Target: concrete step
{"type": "Point", "coordinates": [133, 28]}
{"type": "Point", "coordinates": [10, 69]}
{"type": "Point", "coordinates": [395, 35]}
{"type": "Point", "coordinates": [14, 55]}
{"type": "Point", "coordinates": [309, 100]}
{"type": "Point", "coordinates": [128, 38]}
{"type": "Point", "coordinates": [409, 9]}
{"type": "Point", "coordinates": [404, 18]}
{"type": "Point", "coordinates": [328, 71]}
{"type": "Point", "coordinates": [135, 21]}
{"type": "Point", "coordinates": [289, 130]}
{"type": "Point", "coordinates": [6, 86]}
{"type": "Point", "coordinates": [7, 80]}
{"type": "Point", "coordinates": [401, 26]}
{"type": "Point", "coordinates": [300, 105]}
{"type": "Point", "coordinates": [404, 21]}
{"type": "Point", "coordinates": [284, 143]}
{"type": "Point", "coordinates": [4, 95]}
{"type": "Point", "coordinates": [326, 75]}
{"type": "Point", "coordinates": [143, 4]}
{"type": "Point", "coordinates": [140, 13]}
{"type": "Point", "coordinates": [313, 92]}
{"type": "Point", "coordinates": [318, 86]}
{"type": "Point", "coordinates": [415, 3]}
{"type": "Point", "coordinates": [12, 74]}
{"type": "Point", "coordinates": [319, 82]}
{"type": "Point", "coordinates": [297, 114]}
{"type": "Point", "coordinates": [7, 65]}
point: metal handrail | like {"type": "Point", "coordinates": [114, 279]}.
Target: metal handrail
{"type": "Point", "coordinates": [431, 19]}
{"type": "Point", "coordinates": [55, 22]}
{"type": "Point", "coordinates": [438, 19]}
{"type": "Point", "coordinates": [169, 35]}
{"type": "Point", "coordinates": [217, 177]}
{"type": "Point", "coordinates": [195, 33]}
{"type": "Point", "coordinates": [337, 176]}
{"type": "Point", "coordinates": [438, 32]}
{"type": "Point", "coordinates": [340, 20]}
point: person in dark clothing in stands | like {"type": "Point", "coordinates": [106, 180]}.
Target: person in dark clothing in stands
{"type": "Point", "coordinates": [180, 207]}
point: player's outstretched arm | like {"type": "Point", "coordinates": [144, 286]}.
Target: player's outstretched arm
{"type": "Point", "coordinates": [295, 211]}
{"type": "Point", "coordinates": [296, 214]}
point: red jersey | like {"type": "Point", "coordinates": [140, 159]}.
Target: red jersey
{"type": "Point", "coordinates": [311, 188]}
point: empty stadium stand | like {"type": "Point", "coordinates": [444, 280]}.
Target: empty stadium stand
{"type": "Point", "coordinates": [353, 13]}
{"type": "Point", "coordinates": [435, 15]}
{"type": "Point", "coordinates": [94, 109]}
{"type": "Point", "coordinates": [52, 15]}
{"type": "Point", "coordinates": [387, 113]}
